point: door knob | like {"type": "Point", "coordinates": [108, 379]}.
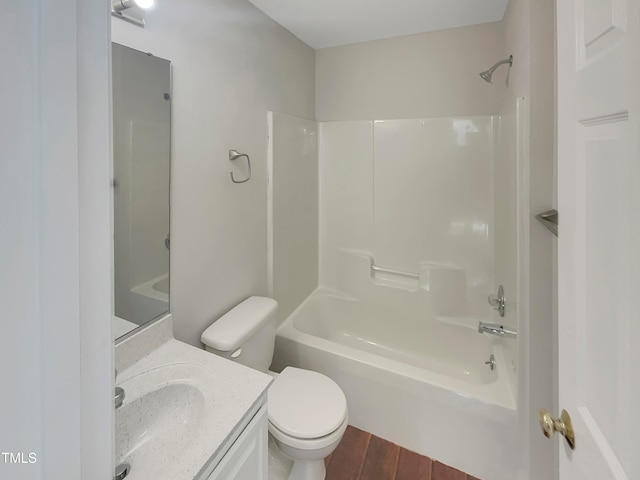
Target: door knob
{"type": "Point", "coordinates": [561, 425]}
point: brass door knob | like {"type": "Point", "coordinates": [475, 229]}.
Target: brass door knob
{"type": "Point", "coordinates": [561, 425]}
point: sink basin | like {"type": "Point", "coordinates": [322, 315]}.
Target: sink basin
{"type": "Point", "coordinates": [183, 407]}
{"type": "Point", "coordinates": [159, 419]}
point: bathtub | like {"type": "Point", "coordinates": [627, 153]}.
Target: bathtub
{"type": "Point", "coordinates": [149, 300]}
{"type": "Point", "coordinates": [418, 381]}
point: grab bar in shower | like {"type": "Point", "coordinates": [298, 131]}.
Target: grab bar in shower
{"type": "Point", "coordinates": [375, 268]}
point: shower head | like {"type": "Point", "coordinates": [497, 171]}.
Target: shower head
{"type": "Point", "coordinates": [486, 76]}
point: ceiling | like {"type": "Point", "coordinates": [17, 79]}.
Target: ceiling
{"type": "Point", "coordinates": [328, 23]}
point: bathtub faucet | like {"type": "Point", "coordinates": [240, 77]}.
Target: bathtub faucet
{"type": "Point", "coordinates": [118, 396]}
{"type": "Point", "coordinates": [496, 329]}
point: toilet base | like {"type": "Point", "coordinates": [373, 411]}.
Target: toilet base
{"type": "Point", "coordinates": [312, 470]}
{"type": "Point", "coordinates": [281, 467]}
{"type": "Point", "coordinates": [279, 464]}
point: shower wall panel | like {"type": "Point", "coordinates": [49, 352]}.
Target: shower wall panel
{"type": "Point", "coordinates": [506, 241]}
{"type": "Point", "coordinates": [413, 194]}
{"type": "Point", "coordinates": [293, 210]}
{"type": "Point", "coordinates": [346, 193]}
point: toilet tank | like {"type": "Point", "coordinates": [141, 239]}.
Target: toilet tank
{"type": "Point", "coordinates": [246, 334]}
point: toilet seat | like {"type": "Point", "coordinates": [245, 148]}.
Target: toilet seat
{"type": "Point", "coordinates": [305, 405]}
{"type": "Point", "coordinates": [309, 444]}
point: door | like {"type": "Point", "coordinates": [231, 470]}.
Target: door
{"type": "Point", "coordinates": [599, 242]}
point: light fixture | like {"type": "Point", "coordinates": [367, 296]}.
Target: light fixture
{"type": "Point", "coordinates": [131, 10]}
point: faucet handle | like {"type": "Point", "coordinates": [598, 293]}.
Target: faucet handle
{"type": "Point", "coordinates": [118, 397]}
{"type": "Point", "coordinates": [497, 301]}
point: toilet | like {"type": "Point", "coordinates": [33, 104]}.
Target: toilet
{"type": "Point", "coordinates": [307, 410]}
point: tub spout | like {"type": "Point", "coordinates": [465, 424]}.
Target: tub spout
{"type": "Point", "coordinates": [118, 397]}
{"type": "Point", "coordinates": [496, 329]}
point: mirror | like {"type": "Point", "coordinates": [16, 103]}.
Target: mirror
{"type": "Point", "coordinates": [141, 179]}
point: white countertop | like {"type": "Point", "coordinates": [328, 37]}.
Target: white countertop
{"type": "Point", "coordinates": [231, 392]}
{"type": "Point", "coordinates": [120, 327]}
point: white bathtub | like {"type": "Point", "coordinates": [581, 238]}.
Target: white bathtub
{"type": "Point", "coordinates": [419, 382]}
{"type": "Point", "coordinates": [149, 300]}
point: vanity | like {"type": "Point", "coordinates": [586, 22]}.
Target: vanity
{"type": "Point", "coordinates": [187, 414]}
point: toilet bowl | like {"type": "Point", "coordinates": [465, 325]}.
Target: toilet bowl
{"type": "Point", "coordinates": [307, 455]}
{"type": "Point", "coordinates": [307, 410]}
{"type": "Point", "coordinates": [307, 418]}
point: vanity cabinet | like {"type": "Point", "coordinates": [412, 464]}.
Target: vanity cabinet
{"type": "Point", "coordinates": [247, 459]}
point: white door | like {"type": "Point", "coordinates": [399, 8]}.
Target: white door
{"type": "Point", "coordinates": [599, 242]}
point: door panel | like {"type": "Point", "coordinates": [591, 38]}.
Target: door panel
{"type": "Point", "coordinates": [603, 328]}
{"type": "Point", "coordinates": [598, 247]}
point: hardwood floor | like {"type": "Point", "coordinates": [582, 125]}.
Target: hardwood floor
{"type": "Point", "coordinates": [362, 456]}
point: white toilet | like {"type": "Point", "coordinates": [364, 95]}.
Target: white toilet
{"type": "Point", "coordinates": [307, 410]}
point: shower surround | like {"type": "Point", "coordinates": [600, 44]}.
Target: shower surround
{"type": "Point", "coordinates": [406, 259]}
{"type": "Point", "coordinates": [412, 193]}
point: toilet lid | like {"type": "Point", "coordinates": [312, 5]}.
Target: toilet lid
{"type": "Point", "coordinates": [306, 404]}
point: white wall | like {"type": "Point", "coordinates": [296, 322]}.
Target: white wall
{"type": "Point", "coordinates": [20, 344]}
{"type": "Point", "coordinates": [293, 210]}
{"type": "Point", "coordinates": [529, 36]}
{"type": "Point", "coordinates": [543, 312]}
{"type": "Point", "coordinates": [426, 75]}
{"type": "Point", "coordinates": [231, 64]}
{"type": "Point", "coordinates": [96, 243]}
{"type": "Point", "coordinates": [55, 246]}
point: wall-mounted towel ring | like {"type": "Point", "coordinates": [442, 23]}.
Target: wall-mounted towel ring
{"type": "Point", "coordinates": [234, 154]}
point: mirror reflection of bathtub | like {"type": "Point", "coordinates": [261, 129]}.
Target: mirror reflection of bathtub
{"type": "Point", "coordinates": [141, 178]}
{"type": "Point", "coordinates": [149, 299]}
